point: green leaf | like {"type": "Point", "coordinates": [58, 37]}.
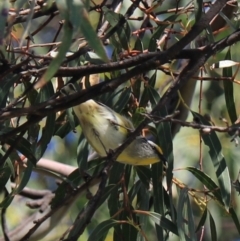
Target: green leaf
{"type": "Point", "coordinates": [93, 58]}
{"type": "Point", "coordinates": [48, 130]}
{"type": "Point", "coordinates": [127, 176]}
{"type": "Point", "coordinates": [114, 178]}
{"type": "Point", "coordinates": [164, 140]}
{"type": "Point", "coordinates": [122, 100]}
{"type": "Point", "coordinates": [158, 197]}
{"type": "Point", "coordinates": [73, 180]}
{"type": "Point", "coordinates": [144, 174]}
{"type": "Point", "coordinates": [107, 191]}
{"type": "Point", "coordinates": [5, 86]}
{"type": "Point", "coordinates": [7, 201]}
{"type": "Point", "coordinates": [202, 220]}
{"type": "Point", "coordinates": [64, 47]}
{"type": "Point", "coordinates": [5, 173]}
{"type": "Point", "coordinates": [120, 31]}
{"type": "Point", "coordinates": [136, 87]}
{"type": "Point", "coordinates": [212, 228]}
{"type": "Point", "coordinates": [152, 47]}
{"type": "Point", "coordinates": [90, 34]}
{"type": "Point", "coordinates": [198, 9]}
{"type": "Point", "coordinates": [129, 231]}
{"type": "Point", "coordinates": [82, 152]}
{"type": "Point", "coordinates": [218, 160]}
{"type": "Point", "coordinates": [24, 147]}
{"type": "Point", "coordinates": [102, 229]}
{"type": "Point", "coordinates": [25, 178]}
{"type": "Point", "coordinates": [235, 219]}
{"type": "Point", "coordinates": [228, 90]}
{"type": "Point", "coordinates": [124, 35]}
{"type": "Point", "coordinates": [191, 226]}
{"type": "Point", "coordinates": [62, 130]}
{"type": "Point", "coordinates": [4, 7]}
{"type": "Point", "coordinates": [143, 199]}
{"type": "Point", "coordinates": [138, 45]}
{"type": "Point", "coordinates": [180, 216]}
{"type": "Point", "coordinates": [152, 80]}
{"type": "Point", "coordinates": [138, 116]}
{"type": "Point", "coordinates": [209, 34]}
{"type": "Point", "coordinates": [228, 21]}
{"type": "Point", "coordinates": [149, 94]}
{"type": "Point", "coordinates": [164, 222]}
{"type": "Point", "coordinates": [207, 181]}
{"type": "Point", "coordinates": [31, 94]}
{"type": "Point", "coordinates": [73, 120]}
{"type": "Point", "coordinates": [154, 96]}
{"type": "Point", "coordinates": [134, 190]}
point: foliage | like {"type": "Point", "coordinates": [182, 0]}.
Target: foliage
{"type": "Point", "coordinates": [155, 60]}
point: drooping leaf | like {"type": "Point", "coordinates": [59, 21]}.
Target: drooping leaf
{"type": "Point", "coordinates": [207, 181]}
{"type": "Point", "coordinates": [82, 152]}
{"type": "Point", "coordinates": [158, 32]}
{"type": "Point", "coordinates": [129, 231]}
{"type": "Point", "coordinates": [212, 228]}
{"type": "Point", "coordinates": [123, 100]}
{"type": "Point", "coordinates": [158, 197]}
{"type": "Point", "coordinates": [235, 219]}
{"type": "Point", "coordinates": [23, 146]}
{"type": "Point", "coordinates": [89, 33]}
{"type": "Point", "coordinates": [218, 160]}
{"type": "Point", "coordinates": [198, 4]}
{"type": "Point", "coordinates": [5, 173]}
{"type": "Point", "coordinates": [102, 229]}
{"type": "Point", "coordinates": [180, 214]}
{"type": "Point", "coordinates": [120, 30]}
{"type": "Point", "coordinates": [164, 222]}
{"type": "Point", "coordinates": [229, 91]}
{"type": "Point", "coordinates": [47, 132]}
{"type": "Point", "coordinates": [25, 177]}
{"type": "Point", "coordinates": [191, 226]}
{"type": "Point", "coordinates": [202, 220]}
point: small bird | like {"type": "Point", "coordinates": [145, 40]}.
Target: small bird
{"type": "Point", "coordinates": [106, 130]}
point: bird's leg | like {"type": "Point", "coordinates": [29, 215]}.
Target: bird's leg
{"type": "Point", "coordinates": [109, 153]}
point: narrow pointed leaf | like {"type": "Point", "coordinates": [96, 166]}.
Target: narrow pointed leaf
{"type": "Point", "coordinates": [164, 222]}
{"type": "Point", "coordinates": [102, 229]}
{"type": "Point", "coordinates": [218, 160]}
{"type": "Point", "coordinates": [229, 91]}
{"type": "Point", "coordinates": [212, 228]}
{"type": "Point", "coordinates": [207, 181]}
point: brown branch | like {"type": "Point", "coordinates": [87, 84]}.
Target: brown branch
{"type": "Point", "coordinates": [40, 11]}
{"type": "Point", "coordinates": [40, 111]}
{"type": "Point", "coordinates": [205, 129]}
{"type": "Point", "coordinates": [66, 203]}
{"type": "Point", "coordinates": [86, 214]}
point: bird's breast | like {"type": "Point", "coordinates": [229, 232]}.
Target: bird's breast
{"type": "Point", "coordinates": [102, 132]}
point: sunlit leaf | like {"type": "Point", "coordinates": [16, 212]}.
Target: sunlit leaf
{"type": "Point", "coordinates": [229, 91]}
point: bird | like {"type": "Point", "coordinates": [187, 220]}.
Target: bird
{"type": "Point", "coordinates": [106, 130]}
